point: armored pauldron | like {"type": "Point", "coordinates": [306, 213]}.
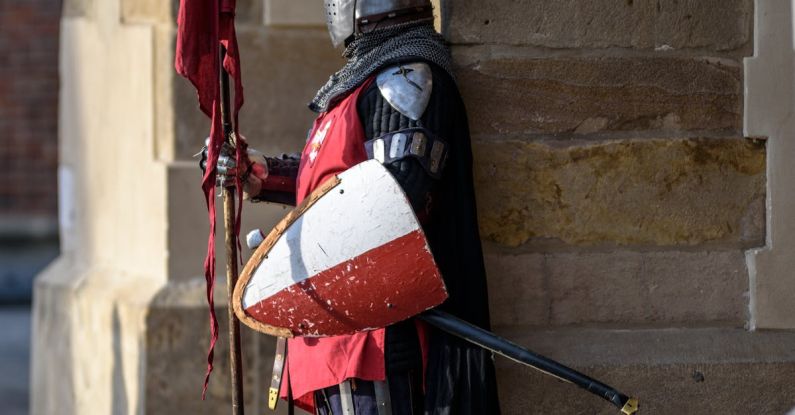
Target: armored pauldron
{"type": "Point", "coordinates": [419, 143]}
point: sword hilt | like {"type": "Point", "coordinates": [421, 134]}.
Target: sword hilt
{"type": "Point", "coordinates": [631, 406]}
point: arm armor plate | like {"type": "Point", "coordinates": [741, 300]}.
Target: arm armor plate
{"type": "Point", "coordinates": [415, 157]}
{"type": "Point", "coordinates": [279, 186]}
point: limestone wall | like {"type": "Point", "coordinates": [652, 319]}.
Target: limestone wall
{"type": "Point", "coordinates": [614, 183]}
{"type": "Point", "coordinates": [618, 197]}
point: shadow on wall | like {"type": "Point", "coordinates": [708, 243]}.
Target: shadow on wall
{"type": "Point", "coordinates": [120, 401]}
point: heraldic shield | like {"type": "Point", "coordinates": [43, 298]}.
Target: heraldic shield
{"type": "Point", "coordinates": [352, 257]}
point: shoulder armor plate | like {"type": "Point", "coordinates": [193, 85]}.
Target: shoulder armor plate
{"type": "Point", "coordinates": [407, 88]}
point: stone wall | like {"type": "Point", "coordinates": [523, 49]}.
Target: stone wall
{"type": "Point", "coordinates": [618, 196]}
{"type": "Point", "coordinates": [611, 164]}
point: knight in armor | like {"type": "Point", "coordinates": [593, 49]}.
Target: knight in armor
{"type": "Point", "coordinates": [395, 101]}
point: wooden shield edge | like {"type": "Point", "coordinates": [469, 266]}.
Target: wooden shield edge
{"type": "Point", "coordinates": [262, 252]}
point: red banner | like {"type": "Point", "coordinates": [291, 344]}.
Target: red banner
{"type": "Point", "coordinates": [203, 27]}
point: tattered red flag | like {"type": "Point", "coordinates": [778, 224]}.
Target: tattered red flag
{"type": "Point", "coordinates": [204, 26]}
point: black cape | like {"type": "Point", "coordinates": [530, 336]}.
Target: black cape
{"type": "Point", "coordinates": [460, 377]}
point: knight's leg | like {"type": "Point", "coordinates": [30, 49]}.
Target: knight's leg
{"type": "Point", "coordinates": [405, 391]}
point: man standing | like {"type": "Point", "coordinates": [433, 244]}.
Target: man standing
{"type": "Point", "coordinates": [395, 101]}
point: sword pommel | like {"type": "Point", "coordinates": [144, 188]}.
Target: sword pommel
{"type": "Point", "coordinates": [630, 407]}
{"type": "Point", "coordinates": [273, 398]}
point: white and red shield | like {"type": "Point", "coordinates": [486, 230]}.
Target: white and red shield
{"type": "Point", "coordinates": [351, 258]}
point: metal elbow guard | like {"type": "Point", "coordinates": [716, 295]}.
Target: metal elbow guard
{"type": "Point", "coordinates": [419, 143]}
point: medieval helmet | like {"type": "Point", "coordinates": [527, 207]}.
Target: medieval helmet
{"type": "Point", "coordinates": [347, 17]}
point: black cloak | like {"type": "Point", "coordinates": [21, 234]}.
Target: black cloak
{"type": "Point", "coordinates": [460, 377]}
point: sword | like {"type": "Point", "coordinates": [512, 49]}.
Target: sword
{"type": "Point", "coordinates": [491, 342]}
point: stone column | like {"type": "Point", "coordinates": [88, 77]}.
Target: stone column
{"type": "Point", "coordinates": [120, 319]}
{"type": "Point", "coordinates": [769, 79]}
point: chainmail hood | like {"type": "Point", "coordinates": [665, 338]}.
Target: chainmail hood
{"type": "Point", "coordinates": [372, 51]}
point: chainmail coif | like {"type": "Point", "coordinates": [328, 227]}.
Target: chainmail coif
{"type": "Point", "coordinates": [372, 51]}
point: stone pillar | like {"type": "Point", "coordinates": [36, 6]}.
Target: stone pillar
{"type": "Point", "coordinates": [770, 78]}
{"type": "Point", "coordinates": [120, 319]}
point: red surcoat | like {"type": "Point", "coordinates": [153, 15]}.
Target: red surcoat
{"type": "Point", "coordinates": [335, 144]}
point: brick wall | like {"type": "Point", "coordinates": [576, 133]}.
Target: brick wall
{"type": "Point", "coordinates": [28, 112]}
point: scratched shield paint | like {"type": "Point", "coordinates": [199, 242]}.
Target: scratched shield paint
{"type": "Point", "coordinates": [356, 260]}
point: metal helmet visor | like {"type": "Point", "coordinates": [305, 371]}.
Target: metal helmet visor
{"type": "Point", "coordinates": [365, 8]}
{"type": "Point", "coordinates": [341, 17]}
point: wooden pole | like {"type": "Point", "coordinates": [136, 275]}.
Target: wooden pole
{"type": "Point", "coordinates": [235, 355]}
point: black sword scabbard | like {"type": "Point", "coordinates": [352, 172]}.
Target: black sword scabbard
{"type": "Point", "coordinates": [505, 348]}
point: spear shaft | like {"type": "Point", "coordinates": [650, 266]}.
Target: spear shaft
{"type": "Point", "coordinates": [230, 213]}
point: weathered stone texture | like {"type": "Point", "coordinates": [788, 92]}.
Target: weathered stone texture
{"type": "Point", "coordinates": [77, 8]}
{"type": "Point", "coordinates": [671, 371]}
{"type": "Point", "coordinates": [509, 95]}
{"type": "Point", "coordinates": [623, 287]}
{"type": "Point", "coordinates": [251, 12]}
{"type": "Point", "coordinates": [646, 191]}
{"type": "Point", "coordinates": [294, 13]}
{"type": "Point", "coordinates": [148, 11]}
{"type": "Point", "coordinates": [716, 25]}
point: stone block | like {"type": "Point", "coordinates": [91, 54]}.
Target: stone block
{"type": "Point", "coordinates": [149, 11]}
{"type": "Point", "coordinates": [516, 95]}
{"type": "Point", "coordinates": [282, 71]}
{"type": "Point", "coordinates": [188, 223]}
{"type": "Point", "coordinates": [672, 371]}
{"type": "Point", "coordinates": [518, 293]}
{"type": "Point", "coordinates": [714, 25]}
{"type": "Point", "coordinates": [250, 12]}
{"type": "Point", "coordinates": [77, 8]}
{"type": "Point", "coordinates": [294, 13]}
{"type": "Point", "coordinates": [670, 288]}
{"type": "Point", "coordinates": [658, 192]}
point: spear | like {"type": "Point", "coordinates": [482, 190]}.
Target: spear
{"type": "Point", "coordinates": [235, 362]}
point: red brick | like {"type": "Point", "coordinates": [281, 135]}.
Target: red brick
{"type": "Point", "coordinates": [29, 106]}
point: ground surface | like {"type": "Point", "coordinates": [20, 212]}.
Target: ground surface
{"type": "Point", "coordinates": [14, 360]}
